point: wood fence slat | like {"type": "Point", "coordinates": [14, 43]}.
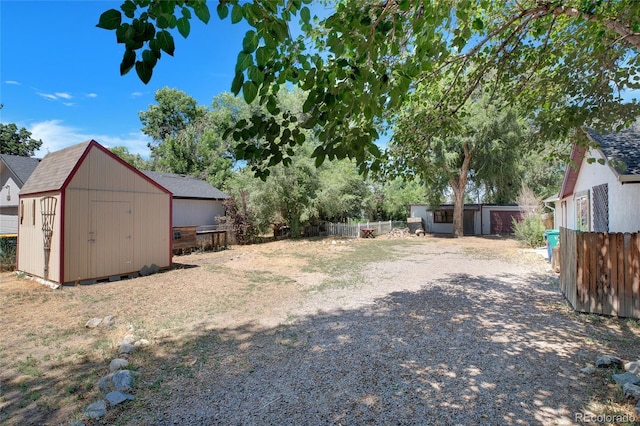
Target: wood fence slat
{"type": "Point", "coordinates": [635, 262]}
{"type": "Point", "coordinates": [592, 248]}
{"type": "Point", "coordinates": [628, 276]}
{"type": "Point", "coordinates": [573, 268]}
{"type": "Point", "coordinates": [580, 274]}
{"type": "Point", "coordinates": [604, 263]}
{"type": "Point", "coordinates": [613, 275]}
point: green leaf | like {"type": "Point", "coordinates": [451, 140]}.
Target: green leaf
{"type": "Point", "coordinates": [128, 61]}
{"type": "Point", "coordinates": [223, 10]}
{"type": "Point", "coordinates": [236, 14]}
{"type": "Point", "coordinates": [250, 42]}
{"type": "Point", "coordinates": [186, 13]}
{"type": "Point", "coordinates": [249, 91]}
{"type": "Point", "coordinates": [236, 85]}
{"type": "Point", "coordinates": [202, 12]}
{"type": "Point", "coordinates": [129, 9]}
{"type": "Point", "coordinates": [262, 56]}
{"type": "Point", "coordinates": [478, 25]}
{"type": "Point", "coordinates": [255, 74]}
{"type": "Point", "coordinates": [184, 27]}
{"type": "Point", "coordinates": [110, 19]}
{"type": "Point", "coordinates": [305, 14]}
{"type": "Point", "coordinates": [165, 42]}
{"type": "Point", "coordinates": [243, 62]}
{"type": "Point", "coordinates": [144, 71]}
{"type": "Point", "coordinates": [149, 58]}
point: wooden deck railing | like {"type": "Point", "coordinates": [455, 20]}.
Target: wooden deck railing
{"type": "Point", "coordinates": [600, 272]}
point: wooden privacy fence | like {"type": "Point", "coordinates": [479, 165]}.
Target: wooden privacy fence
{"type": "Point", "coordinates": [600, 272]}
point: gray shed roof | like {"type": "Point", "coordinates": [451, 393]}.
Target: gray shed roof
{"type": "Point", "coordinates": [622, 149]}
{"type": "Point", "coordinates": [54, 169]}
{"type": "Point", "coordinates": [184, 186]}
{"type": "Point", "coordinates": [22, 167]}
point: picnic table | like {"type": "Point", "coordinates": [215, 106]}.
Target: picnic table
{"type": "Point", "coordinates": [367, 233]}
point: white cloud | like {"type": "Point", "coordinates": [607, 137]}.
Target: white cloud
{"type": "Point", "coordinates": [92, 95]}
{"type": "Point", "coordinates": [48, 96]}
{"type": "Point", "coordinates": [55, 135]}
{"type": "Point", "coordinates": [63, 95]}
{"type": "Point", "coordinates": [136, 94]}
{"type": "Point", "coordinates": [68, 104]}
{"type": "Point", "coordinates": [15, 83]}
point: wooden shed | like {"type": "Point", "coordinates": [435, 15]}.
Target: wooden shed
{"type": "Point", "coordinates": [86, 215]}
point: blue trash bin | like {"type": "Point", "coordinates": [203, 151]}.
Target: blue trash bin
{"type": "Point", "coordinates": [552, 236]}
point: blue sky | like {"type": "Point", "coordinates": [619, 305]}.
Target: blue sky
{"type": "Point", "coordinates": [59, 73]}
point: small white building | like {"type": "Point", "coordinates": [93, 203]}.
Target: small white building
{"type": "Point", "coordinates": [195, 202]}
{"type": "Point", "coordinates": [478, 219]}
{"type": "Point", "coordinates": [602, 194]}
{"type": "Point", "coordinates": [14, 173]}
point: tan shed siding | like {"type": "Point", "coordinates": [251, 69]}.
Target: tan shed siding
{"type": "Point", "coordinates": [116, 221]}
{"type": "Point", "coordinates": [31, 242]}
{"type": "Point", "coordinates": [152, 225]}
{"type": "Point", "coordinates": [77, 224]}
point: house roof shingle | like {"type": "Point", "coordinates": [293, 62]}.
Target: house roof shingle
{"type": "Point", "coordinates": [184, 186]}
{"type": "Point", "coordinates": [622, 149]}
{"type": "Point", "coordinates": [22, 167]}
{"type": "Point", "coordinates": [54, 169]}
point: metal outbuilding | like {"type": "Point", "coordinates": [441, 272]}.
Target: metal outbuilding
{"type": "Point", "coordinates": [87, 215]}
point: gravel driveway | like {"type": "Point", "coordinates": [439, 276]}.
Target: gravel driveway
{"type": "Point", "coordinates": [439, 335]}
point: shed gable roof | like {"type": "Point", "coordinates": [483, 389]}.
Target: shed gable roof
{"type": "Point", "coordinates": [21, 167]}
{"type": "Point", "coordinates": [57, 168]}
{"type": "Point", "coordinates": [183, 186]}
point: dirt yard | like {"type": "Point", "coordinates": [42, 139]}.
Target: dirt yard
{"type": "Point", "coordinates": [415, 330]}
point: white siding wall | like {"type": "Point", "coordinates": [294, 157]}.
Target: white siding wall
{"type": "Point", "coordinates": [624, 200]}
{"type": "Point", "coordinates": [188, 212]}
{"type": "Point", "coordinates": [8, 208]}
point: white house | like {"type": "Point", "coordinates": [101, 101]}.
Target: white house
{"type": "Point", "coordinates": [195, 202]}
{"type": "Point", "coordinates": [14, 173]}
{"type": "Point", "coordinates": [478, 219]}
{"type": "Point", "coordinates": [602, 194]}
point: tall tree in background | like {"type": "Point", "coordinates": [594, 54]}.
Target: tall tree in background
{"type": "Point", "coordinates": [135, 160]}
{"type": "Point", "coordinates": [16, 141]}
{"type": "Point", "coordinates": [566, 63]}
{"type": "Point", "coordinates": [486, 146]}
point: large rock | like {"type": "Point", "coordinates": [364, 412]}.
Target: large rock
{"type": "Point", "coordinates": [118, 364]}
{"type": "Point", "coordinates": [625, 378]}
{"type": "Point", "coordinates": [608, 361]}
{"type": "Point", "coordinates": [108, 321]}
{"type": "Point", "coordinates": [93, 322]}
{"type": "Point", "coordinates": [96, 410]}
{"type": "Point", "coordinates": [118, 397]}
{"type": "Point", "coordinates": [631, 391]}
{"type": "Point", "coordinates": [123, 380]}
{"type": "Point", "coordinates": [633, 367]}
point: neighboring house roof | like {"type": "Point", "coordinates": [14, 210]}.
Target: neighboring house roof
{"type": "Point", "coordinates": [184, 186]}
{"type": "Point", "coordinates": [622, 149]}
{"type": "Point", "coordinates": [57, 168]}
{"type": "Point", "coordinates": [21, 167]}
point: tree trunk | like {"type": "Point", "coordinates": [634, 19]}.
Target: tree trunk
{"type": "Point", "coordinates": [458, 185]}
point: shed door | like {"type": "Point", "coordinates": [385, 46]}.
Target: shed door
{"type": "Point", "coordinates": [111, 238]}
{"type": "Point", "coordinates": [502, 221]}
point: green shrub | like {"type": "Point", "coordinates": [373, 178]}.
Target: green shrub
{"type": "Point", "coordinates": [8, 254]}
{"type": "Point", "coordinates": [530, 231]}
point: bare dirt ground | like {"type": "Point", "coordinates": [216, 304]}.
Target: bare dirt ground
{"type": "Point", "coordinates": [404, 331]}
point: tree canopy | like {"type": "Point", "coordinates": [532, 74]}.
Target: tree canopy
{"type": "Point", "coordinates": [16, 141]}
{"type": "Point", "coordinates": [566, 63]}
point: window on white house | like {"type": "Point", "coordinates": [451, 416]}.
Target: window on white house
{"type": "Point", "coordinates": [601, 208]}
{"type": "Point", "coordinates": [443, 216]}
{"type": "Point", "coordinates": [582, 211]}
